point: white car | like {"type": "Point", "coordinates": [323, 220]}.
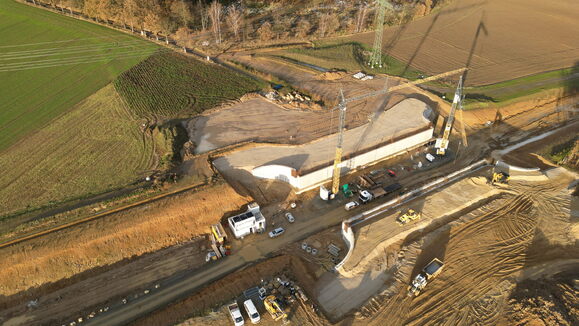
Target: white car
{"type": "Point", "coordinates": [251, 311]}
{"type": "Point", "coordinates": [351, 205]}
{"type": "Point", "coordinates": [276, 232]}
{"type": "Point", "coordinates": [290, 217]}
{"type": "Point", "coordinates": [235, 314]}
{"type": "Point", "coordinates": [429, 157]}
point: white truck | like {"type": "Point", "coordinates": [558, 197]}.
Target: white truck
{"type": "Point", "coordinates": [235, 314]}
{"type": "Point", "coordinates": [428, 273]}
{"type": "Point", "coordinates": [367, 196]}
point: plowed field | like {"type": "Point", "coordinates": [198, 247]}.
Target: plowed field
{"type": "Point", "coordinates": [502, 39]}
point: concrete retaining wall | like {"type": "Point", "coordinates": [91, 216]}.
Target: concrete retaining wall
{"type": "Point", "coordinates": [318, 177]}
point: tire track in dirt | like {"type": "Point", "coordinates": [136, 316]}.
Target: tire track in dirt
{"type": "Point", "coordinates": [501, 235]}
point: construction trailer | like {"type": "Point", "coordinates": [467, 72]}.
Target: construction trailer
{"type": "Point", "coordinates": [252, 221]}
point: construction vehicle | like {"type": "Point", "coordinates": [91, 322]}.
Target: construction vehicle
{"type": "Point", "coordinates": [327, 194]}
{"type": "Point", "coordinates": [347, 191]}
{"type": "Point", "coordinates": [217, 238]}
{"type": "Point", "coordinates": [441, 144]}
{"type": "Point", "coordinates": [428, 273]}
{"type": "Point", "coordinates": [410, 215]}
{"type": "Point", "coordinates": [273, 306]}
{"type": "Point", "coordinates": [500, 177]}
{"type": "Point", "coordinates": [219, 233]}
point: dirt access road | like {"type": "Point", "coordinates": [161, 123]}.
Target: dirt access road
{"type": "Point", "coordinates": [486, 253]}
{"type": "Point", "coordinates": [312, 218]}
{"type": "Point", "coordinates": [499, 39]}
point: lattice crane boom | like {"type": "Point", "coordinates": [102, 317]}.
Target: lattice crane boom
{"type": "Point", "coordinates": [442, 143]}
{"type": "Point", "coordinates": [339, 146]}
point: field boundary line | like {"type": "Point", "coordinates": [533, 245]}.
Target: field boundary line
{"type": "Point", "coordinates": [102, 214]}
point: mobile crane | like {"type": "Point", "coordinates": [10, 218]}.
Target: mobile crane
{"type": "Point", "coordinates": [327, 194]}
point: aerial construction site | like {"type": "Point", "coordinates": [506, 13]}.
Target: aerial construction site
{"type": "Point", "coordinates": [275, 162]}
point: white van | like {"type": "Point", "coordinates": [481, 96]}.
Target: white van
{"type": "Point", "coordinates": [429, 157]}
{"type": "Point", "coordinates": [251, 311]}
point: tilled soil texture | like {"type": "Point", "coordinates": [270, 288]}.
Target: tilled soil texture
{"type": "Point", "coordinates": [498, 39]}
{"type": "Point", "coordinates": [545, 302]}
{"type": "Point", "coordinates": [486, 253]}
{"type": "Point", "coordinates": [113, 238]}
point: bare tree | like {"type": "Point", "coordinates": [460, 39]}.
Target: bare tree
{"type": "Point", "coordinates": [130, 10]}
{"type": "Point", "coordinates": [183, 36]}
{"type": "Point", "coordinates": [234, 20]}
{"type": "Point", "coordinates": [182, 10]}
{"type": "Point", "coordinates": [203, 14]}
{"type": "Point", "coordinates": [323, 24]}
{"type": "Point", "coordinates": [361, 16]}
{"type": "Point", "coordinates": [303, 28]}
{"type": "Point", "coordinates": [265, 31]}
{"type": "Point", "coordinates": [332, 23]}
{"type": "Point", "coordinates": [215, 11]}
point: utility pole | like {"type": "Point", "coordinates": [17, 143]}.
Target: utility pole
{"type": "Point", "coordinates": [376, 56]}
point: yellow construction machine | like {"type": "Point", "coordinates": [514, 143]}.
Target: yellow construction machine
{"type": "Point", "coordinates": [410, 215]}
{"type": "Point", "coordinates": [273, 306]}
{"type": "Point", "coordinates": [500, 177]}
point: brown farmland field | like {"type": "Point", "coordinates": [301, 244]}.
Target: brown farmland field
{"type": "Point", "coordinates": [93, 148]}
{"type": "Point", "coordinates": [516, 38]}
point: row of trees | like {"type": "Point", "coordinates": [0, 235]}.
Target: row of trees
{"type": "Point", "coordinates": [191, 21]}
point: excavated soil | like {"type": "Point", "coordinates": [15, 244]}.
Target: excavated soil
{"type": "Point", "coordinates": [545, 302]}
{"type": "Point", "coordinates": [486, 252]}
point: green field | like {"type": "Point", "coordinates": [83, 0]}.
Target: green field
{"type": "Point", "coordinates": [94, 147]}
{"type": "Point", "coordinates": [347, 56]}
{"type": "Point", "coordinates": [171, 85]}
{"type": "Point", "coordinates": [49, 63]}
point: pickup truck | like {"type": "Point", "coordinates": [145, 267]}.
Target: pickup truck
{"type": "Point", "coordinates": [235, 314]}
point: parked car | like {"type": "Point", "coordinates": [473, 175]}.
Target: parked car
{"type": "Point", "coordinates": [351, 205]}
{"type": "Point", "coordinates": [251, 311]}
{"type": "Point", "coordinates": [391, 173]}
{"type": "Point", "coordinates": [235, 314]}
{"type": "Point", "coordinates": [290, 217]}
{"type": "Point", "coordinates": [429, 157]}
{"type": "Point", "coordinates": [276, 232]}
